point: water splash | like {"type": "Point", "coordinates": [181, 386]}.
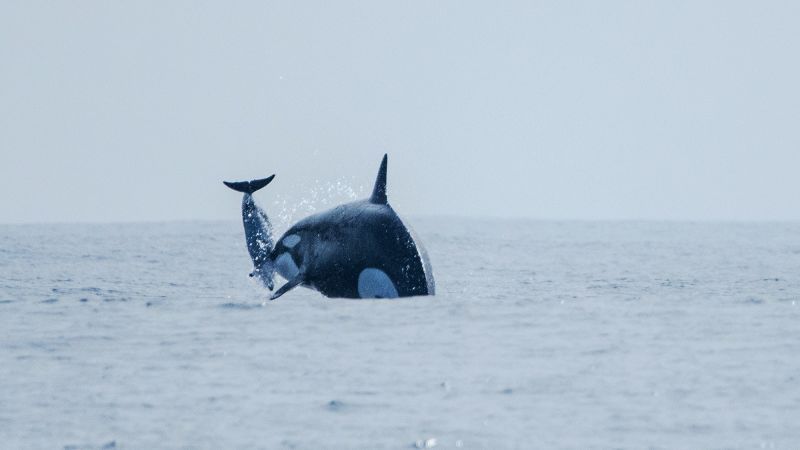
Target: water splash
{"type": "Point", "coordinates": [286, 210]}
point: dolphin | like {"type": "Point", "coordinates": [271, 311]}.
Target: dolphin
{"type": "Point", "coordinates": [361, 249]}
{"type": "Point", "coordinates": [257, 230]}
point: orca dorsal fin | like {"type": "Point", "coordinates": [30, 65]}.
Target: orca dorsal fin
{"type": "Point", "coordinates": [379, 191]}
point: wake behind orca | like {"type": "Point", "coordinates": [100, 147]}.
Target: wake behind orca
{"type": "Point", "coordinates": [356, 250]}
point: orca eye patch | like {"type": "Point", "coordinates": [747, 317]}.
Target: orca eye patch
{"type": "Point", "coordinates": [291, 240]}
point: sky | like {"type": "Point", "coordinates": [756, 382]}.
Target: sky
{"type": "Point", "coordinates": [136, 111]}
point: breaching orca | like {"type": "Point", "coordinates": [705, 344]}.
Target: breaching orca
{"type": "Point", "coordinates": [356, 250]}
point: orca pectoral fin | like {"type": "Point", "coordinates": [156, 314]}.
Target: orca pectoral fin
{"type": "Point", "coordinates": [291, 284]}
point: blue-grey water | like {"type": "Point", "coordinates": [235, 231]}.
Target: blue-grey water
{"type": "Point", "coordinates": [542, 335]}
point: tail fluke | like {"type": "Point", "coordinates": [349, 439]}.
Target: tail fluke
{"type": "Point", "coordinates": [248, 187]}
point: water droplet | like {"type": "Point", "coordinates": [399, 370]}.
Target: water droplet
{"type": "Point", "coordinates": [426, 443]}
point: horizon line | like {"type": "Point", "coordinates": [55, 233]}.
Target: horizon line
{"type": "Point", "coordinates": [426, 217]}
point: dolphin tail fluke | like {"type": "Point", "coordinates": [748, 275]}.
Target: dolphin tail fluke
{"type": "Point", "coordinates": [379, 191]}
{"type": "Point", "coordinates": [248, 187]}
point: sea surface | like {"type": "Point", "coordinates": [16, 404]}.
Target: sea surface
{"type": "Point", "coordinates": [542, 335]}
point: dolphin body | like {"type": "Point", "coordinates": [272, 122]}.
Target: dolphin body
{"type": "Point", "coordinates": [355, 250]}
{"type": "Point", "coordinates": [257, 230]}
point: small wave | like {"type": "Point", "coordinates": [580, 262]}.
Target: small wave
{"type": "Point", "coordinates": [95, 257]}
{"type": "Point", "coordinates": [242, 306]}
{"type": "Point", "coordinates": [107, 446]}
{"type": "Point", "coordinates": [335, 405]}
{"type": "Point", "coordinates": [84, 294]}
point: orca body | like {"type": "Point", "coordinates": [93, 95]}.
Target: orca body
{"type": "Point", "coordinates": [356, 250]}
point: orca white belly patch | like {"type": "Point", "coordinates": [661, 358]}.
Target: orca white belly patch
{"type": "Point", "coordinates": [286, 266]}
{"type": "Point", "coordinates": [374, 283]}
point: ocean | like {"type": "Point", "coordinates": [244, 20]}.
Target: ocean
{"type": "Point", "coordinates": [542, 335]}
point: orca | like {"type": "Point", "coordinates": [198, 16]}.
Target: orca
{"type": "Point", "coordinates": [361, 249]}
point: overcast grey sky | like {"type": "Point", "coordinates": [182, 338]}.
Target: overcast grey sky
{"type": "Point", "coordinates": [117, 111]}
